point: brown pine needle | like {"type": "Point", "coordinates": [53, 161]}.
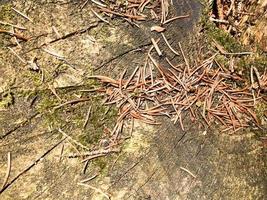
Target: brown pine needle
{"type": "Point", "coordinates": [174, 18]}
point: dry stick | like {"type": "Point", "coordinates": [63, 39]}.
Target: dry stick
{"type": "Point", "coordinates": [156, 46]}
{"type": "Point", "coordinates": [31, 165]}
{"type": "Point", "coordinates": [156, 90]}
{"type": "Point", "coordinates": [232, 5]}
{"type": "Point", "coordinates": [253, 115]}
{"type": "Point", "coordinates": [87, 117]}
{"type": "Point", "coordinates": [214, 85]}
{"type": "Point", "coordinates": [168, 44]}
{"type": "Point", "coordinates": [93, 153]}
{"type": "Point", "coordinates": [174, 18]}
{"type": "Point", "coordinates": [101, 154]}
{"type": "Point", "coordinates": [144, 75]}
{"type": "Point", "coordinates": [7, 171]}
{"type": "Point", "coordinates": [96, 189]}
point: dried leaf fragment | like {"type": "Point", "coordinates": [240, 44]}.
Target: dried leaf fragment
{"type": "Point", "coordinates": [157, 29]}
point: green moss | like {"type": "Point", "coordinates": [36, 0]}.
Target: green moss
{"type": "Point", "coordinates": [260, 109]}
{"type": "Point", "coordinates": [98, 120]}
{"type": "Point", "coordinates": [258, 60]}
{"type": "Point", "coordinates": [6, 12]}
{"type": "Point", "coordinates": [103, 33]}
{"type": "Point", "coordinates": [101, 163]}
{"type": "Point", "coordinates": [229, 43]}
{"type": "Point", "coordinates": [46, 103]}
{"type": "Point", "coordinates": [34, 77]}
{"type": "Point", "coordinates": [92, 83]}
{"type": "Point", "coordinates": [6, 15]}
{"type": "Point", "coordinates": [6, 100]}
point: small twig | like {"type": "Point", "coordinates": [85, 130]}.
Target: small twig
{"type": "Point", "coordinates": [61, 152]}
{"type": "Point", "coordinates": [56, 31]}
{"type": "Point", "coordinates": [131, 77]}
{"type": "Point", "coordinates": [186, 170]}
{"type": "Point", "coordinates": [14, 34]}
{"type": "Point", "coordinates": [22, 14]}
{"type": "Point", "coordinates": [84, 4]}
{"type": "Point", "coordinates": [21, 59]}
{"type": "Point", "coordinates": [61, 57]}
{"type": "Point", "coordinates": [86, 164]}
{"type": "Point", "coordinates": [98, 3]}
{"type": "Point", "coordinates": [7, 171]}
{"type": "Point", "coordinates": [89, 179]}
{"type": "Point", "coordinates": [219, 20]}
{"type": "Point", "coordinates": [94, 153]}
{"type": "Point", "coordinates": [13, 25]}
{"type": "Point", "coordinates": [98, 16]}
{"type": "Point", "coordinates": [53, 90]}
{"type": "Point", "coordinates": [87, 117]}
{"type": "Point", "coordinates": [156, 46]}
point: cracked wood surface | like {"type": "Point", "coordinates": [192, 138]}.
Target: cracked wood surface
{"type": "Point", "coordinates": [157, 162]}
